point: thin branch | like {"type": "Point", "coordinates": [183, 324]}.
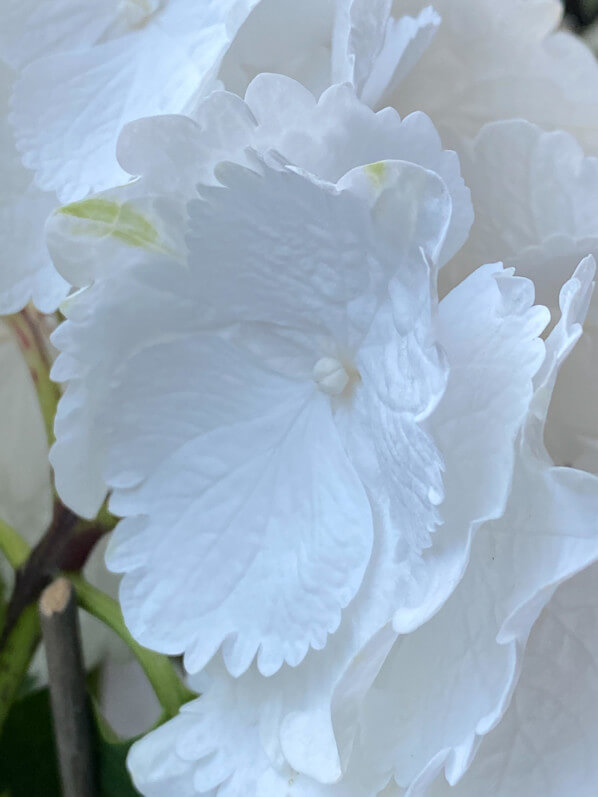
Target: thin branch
{"type": "Point", "coordinates": [70, 710]}
{"type": "Point", "coordinates": [40, 568]}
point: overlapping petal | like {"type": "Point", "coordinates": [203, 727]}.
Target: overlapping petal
{"type": "Point", "coordinates": [280, 36]}
{"type": "Point", "coordinates": [70, 105]}
{"type": "Point", "coordinates": [546, 742]}
{"type": "Point", "coordinates": [327, 137]}
{"type": "Point", "coordinates": [536, 201]}
{"type": "Point", "coordinates": [443, 58]}
{"type": "Point", "coordinates": [547, 534]}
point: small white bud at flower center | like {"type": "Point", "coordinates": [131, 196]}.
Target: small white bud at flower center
{"type": "Point", "coordinates": [330, 376]}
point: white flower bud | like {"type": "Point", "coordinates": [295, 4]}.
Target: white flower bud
{"type": "Point", "coordinates": [330, 376]}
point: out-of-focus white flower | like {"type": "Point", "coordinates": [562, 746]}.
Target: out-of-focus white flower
{"type": "Point", "coordinates": [491, 61]}
{"type": "Point", "coordinates": [535, 196]}
{"type": "Point", "coordinates": [462, 63]}
{"type": "Point", "coordinates": [26, 271]}
{"type": "Point", "coordinates": [25, 484]}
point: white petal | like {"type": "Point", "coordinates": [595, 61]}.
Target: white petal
{"type": "Point", "coordinates": [69, 107]}
{"type": "Point", "coordinates": [359, 37]}
{"type": "Point", "coordinates": [490, 334]}
{"type": "Point", "coordinates": [156, 769]}
{"type": "Point", "coordinates": [345, 133]}
{"type": "Point", "coordinates": [285, 37]}
{"type": "Point", "coordinates": [124, 215]}
{"type": "Point", "coordinates": [212, 747]}
{"type": "Point", "coordinates": [405, 41]}
{"type": "Point", "coordinates": [311, 722]}
{"type": "Point", "coordinates": [321, 283]}
{"type": "Point", "coordinates": [547, 740]}
{"type": "Point", "coordinates": [465, 78]}
{"type": "Point", "coordinates": [327, 138]}
{"type": "Point", "coordinates": [373, 51]}
{"type": "Point", "coordinates": [163, 379]}
{"type": "Point", "coordinates": [546, 534]}
{"type": "Point", "coordinates": [536, 200]}
{"type": "Point", "coordinates": [273, 560]}
{"type": "Point", "coordinates": [528, 186]}
{"type": "Point", "coordinates": [31, 29]}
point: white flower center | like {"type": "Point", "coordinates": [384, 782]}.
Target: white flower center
{"type": "Point", "coordinates": [330, 376]}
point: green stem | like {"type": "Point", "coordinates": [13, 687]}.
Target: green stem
{"type": "Point", "coordinates": [15, 657]}
{"type": "Point", "coordinates": [169, 689]}
{"type": "Point", "coordinates": [13, 546]}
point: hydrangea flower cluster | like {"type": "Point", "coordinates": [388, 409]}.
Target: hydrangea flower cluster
{"type": "Point", "coordinates": [331, 351]}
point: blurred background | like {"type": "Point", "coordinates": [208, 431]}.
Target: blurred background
{"type": "Point", "coordinates": [582, 14]}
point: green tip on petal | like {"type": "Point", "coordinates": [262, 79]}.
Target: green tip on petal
{"type": "Point", "coordinates": [376, 172]}
{"type": "Point", "coordinates": [122, 222]}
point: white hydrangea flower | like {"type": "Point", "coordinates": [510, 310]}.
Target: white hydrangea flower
{"type": "Point", "coordinates": [337, 499]}
{"type": "Point", "coordinates": [133, 356]}
{"type": "Point", "coordinates": [297, 381]}
{"type": "Point", "coordinates": [327, 138]}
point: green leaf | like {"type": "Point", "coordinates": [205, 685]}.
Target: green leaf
{"type": "Point", "coordinates": [27, 755]}
{"type": "Point", "coordinates": [115, 780]}
{"type": "Point", "coordinates": [28, 763]}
